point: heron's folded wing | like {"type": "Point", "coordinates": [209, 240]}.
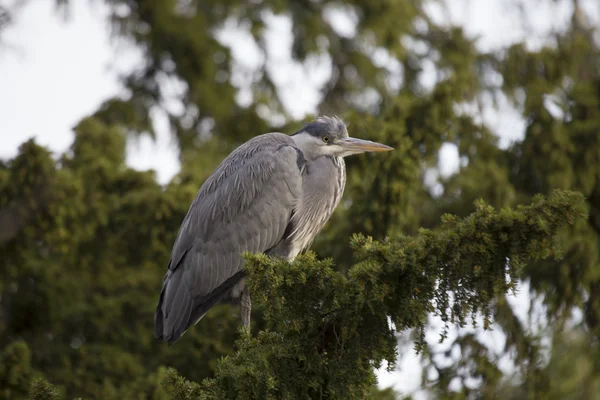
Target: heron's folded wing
{"type": "Point", "coordinates": [244, 206]}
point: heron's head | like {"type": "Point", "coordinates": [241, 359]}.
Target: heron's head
{"type": "Point", "coordinates": [329, 136]}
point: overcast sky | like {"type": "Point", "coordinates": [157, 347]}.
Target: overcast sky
{"type": "Point", "coordinates": [53, 73]}
{"type": "Point", "coordinates": [59, 72]}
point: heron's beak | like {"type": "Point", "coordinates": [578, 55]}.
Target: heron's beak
{"type": "Point", "coordinates": [359, 145]}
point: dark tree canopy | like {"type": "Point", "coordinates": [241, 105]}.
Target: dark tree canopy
{"type": "Point", "coordinates": [84, 239]}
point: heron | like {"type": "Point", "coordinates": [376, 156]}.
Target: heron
{"type": "Point", "coordinates": [271, 195]}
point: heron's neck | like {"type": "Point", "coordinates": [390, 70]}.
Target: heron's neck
{"type": "Point", "coordinates": [338, 161]}
{"type": "Point", "coordinates": [341, 175]}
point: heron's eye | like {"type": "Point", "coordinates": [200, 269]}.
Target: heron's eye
{"type": "Point", "coordinates": [326, 139]}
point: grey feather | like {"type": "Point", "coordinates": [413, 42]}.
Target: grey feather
{"type": "Point", "coordinates": [271, 195]}
{"type": "Point", "coordinates": [225, 220]}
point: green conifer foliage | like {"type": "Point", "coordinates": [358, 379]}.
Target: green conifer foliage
{"type": "Point", "coordinates": [84, 242]}
{"type": "Point", "coordinates": [84, 239]}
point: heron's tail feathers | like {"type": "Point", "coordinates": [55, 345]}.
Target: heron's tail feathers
{"type": "Point", "coordinates": [178, 309]}
{"type": "Point", "coordinates": [174, 308]}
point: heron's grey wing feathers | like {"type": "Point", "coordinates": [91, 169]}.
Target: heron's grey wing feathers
{"type": "Point", "coordinates": [245, 205]}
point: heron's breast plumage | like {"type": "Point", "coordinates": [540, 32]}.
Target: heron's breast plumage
{"type": "Point", "coordinates": [322, 188]}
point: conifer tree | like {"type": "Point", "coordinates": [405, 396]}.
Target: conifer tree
{"type": "Point", "coordinates": [84, 238]}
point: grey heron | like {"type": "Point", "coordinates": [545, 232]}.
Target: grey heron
{"type": "Point", "coordinates": [271, 195]}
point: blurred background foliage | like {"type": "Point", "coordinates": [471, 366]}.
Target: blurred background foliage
{"type": "Point", "coordinates": [84, 239]}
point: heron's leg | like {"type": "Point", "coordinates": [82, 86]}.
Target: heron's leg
{"type": "Point", "coordinates": [246, 307]}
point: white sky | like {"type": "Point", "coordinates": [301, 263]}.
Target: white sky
{"type": "Point", "coordinates": [52, 74]}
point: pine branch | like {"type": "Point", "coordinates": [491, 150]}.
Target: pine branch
{"type": "Point", "coordinates": [332, 329]}
{"type": "Point", "coordinates": [41, 389]}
